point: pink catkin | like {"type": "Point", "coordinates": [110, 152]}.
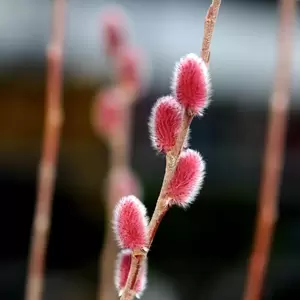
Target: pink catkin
{"type": "Point", "coordinates": [130, 223]}
{"type": "Point", "coordinates": [187, 179]}
{"type": "Point", "coordinates": [127, 66]}
{"type": "Point", "coordinates": [191, 83]}
{"type": "Point", "coordinates": [122, 270]}
{"type": "Point", "coordinates": [108, 112]}
{"type": "Point", "coordinates": [113, 30]}
{"type": "Point", "coordinates": [164, 124]}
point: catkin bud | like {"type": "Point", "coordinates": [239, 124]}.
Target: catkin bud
{"type": "Point", "coordinates": [130, 223]}
{"type": "Point", "coordinates": [113, 30]}
{"type": "Point", "coordinates": [107, 112]}
{"type": "Point", "coordinates": [122, 271]}
{"type": "Point", "coordinates": [191, 83]}
{"type": "Point", "coordinates": [187, 179]}
{"type": "Point", "coordinates": [127, 67]}
{"type": "Point", "coordinates": [164, 124]}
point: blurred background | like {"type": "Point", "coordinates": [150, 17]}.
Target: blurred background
{"type": "Point", "coordinates": [200, 253]}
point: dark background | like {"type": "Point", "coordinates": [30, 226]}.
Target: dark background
{"type": "Point", "coordinates": [200, 253]}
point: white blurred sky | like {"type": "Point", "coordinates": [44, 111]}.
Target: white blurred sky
{"type": "Point", "coordinates": [243, 49]}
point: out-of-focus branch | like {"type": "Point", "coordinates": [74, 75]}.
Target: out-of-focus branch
{"type": "Point", "coordinates": [274, 155]}
{"type": "Point", "coordinates": [47, 168]}
{"type": "Point", "coordinates": [121, 180]}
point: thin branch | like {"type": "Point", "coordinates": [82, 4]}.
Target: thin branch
{"type": "Point", "coordinates": [274, 155]}
{"type": "Point", "coordinates": [47, 168]}
{"type": "Point", "coordinates": [139, 255]}
{"type": "Point", "coordinates": [210, 21]}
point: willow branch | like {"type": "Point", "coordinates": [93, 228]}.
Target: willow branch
{"type": "Point", "coordinates": [274, 155]}
{"type": "Point", "coordinates": [161, 208]}
{"type": "Point", "coordinates": [47, 168]}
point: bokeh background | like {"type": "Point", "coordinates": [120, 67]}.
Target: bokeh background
{"type": "Point", "coordinates": [200, 253]}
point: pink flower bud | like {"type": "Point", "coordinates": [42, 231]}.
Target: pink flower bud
{"type": "Point", "coordinates": [127, 65]}
{"type": "Point", "coordinates": [165, 122]}
{"type": "Point", "coordinates": [122, 272]}
{"type": "Point", "coordinates": [191, 83]}
{"type": "Point", "coordinates": [113, 30]}
{"type": "Point", "coordinates": [130, 223]}
{"type": "Point", "coordinates": [107, 112]}
{"type": "Point", "coordinates": [187, 179]}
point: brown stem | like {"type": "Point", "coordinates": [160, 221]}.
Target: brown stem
{"type": "Point", "coordinates": [273, 156]}
{"type": "Point", "coordinates": [47, 169]}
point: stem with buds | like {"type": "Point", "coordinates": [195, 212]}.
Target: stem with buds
{"type": "Point", "coordinates": [139, 255]}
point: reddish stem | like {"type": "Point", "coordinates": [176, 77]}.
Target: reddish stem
{"type": "Point", "coordinates": [273, 157]}
{"type": "Point", "coordinates": [47, 168]}
{"type": "Point", "coordinates": [209, 25]}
